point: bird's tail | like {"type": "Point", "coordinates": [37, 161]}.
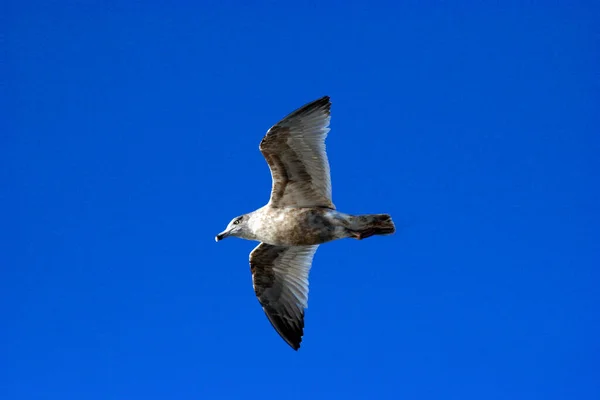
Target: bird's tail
{"type": "Point", "coordinates": [364, 226]}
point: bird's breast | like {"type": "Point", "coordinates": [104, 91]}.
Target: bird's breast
{"type": "Point", "coordinates": [295, 226]}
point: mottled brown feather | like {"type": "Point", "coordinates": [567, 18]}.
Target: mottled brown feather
{"type": "Point", "coordinates": [280, 280]}
{"type": "Point", "coordinates": [295, 150]}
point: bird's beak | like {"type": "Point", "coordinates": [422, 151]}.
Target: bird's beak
{"type": "Point", "coordinates": [221, 236]}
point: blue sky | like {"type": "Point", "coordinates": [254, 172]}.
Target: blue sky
{"type": "Point", "coordinates": [130, 138]}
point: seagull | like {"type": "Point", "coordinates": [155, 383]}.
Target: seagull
{"type": "Point", "coordinates": [299, 216]}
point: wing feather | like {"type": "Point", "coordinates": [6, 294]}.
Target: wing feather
{"type": "Point", "coordinates": [295, 151]}
{"type": "Point", "coordinates": [280, 280]}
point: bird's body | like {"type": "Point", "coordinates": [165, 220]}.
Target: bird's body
{"type": "Point", "coordinates": [296, 226]}
{"type": "Point", "coordinates": [299, 217]}
{"type": "Point", "coordinates": [302, 226]}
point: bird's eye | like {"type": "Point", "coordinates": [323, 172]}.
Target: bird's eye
{"type": "Point", "coordinates": [237, 221]}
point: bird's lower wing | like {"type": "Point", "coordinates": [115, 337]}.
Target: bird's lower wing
{"type": "Point", "coordinates": [280, 280]}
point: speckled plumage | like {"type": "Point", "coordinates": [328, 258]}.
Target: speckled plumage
{"type": "Point", "coordinates": [299, 217]}
{"type": "Point", "coordinates": [297, 226]}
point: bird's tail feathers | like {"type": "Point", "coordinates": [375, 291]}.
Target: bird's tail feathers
{"type": "Point", "coordinates": [364, 226]}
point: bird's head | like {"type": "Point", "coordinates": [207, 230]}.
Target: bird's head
{"type": "Point", "coordinates": [237, 227]}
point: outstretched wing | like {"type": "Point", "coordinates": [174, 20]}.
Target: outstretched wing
{"type": "Point", "coordinates": [280, 280]}
{"type": "Point", "coordinates": [295, 151]}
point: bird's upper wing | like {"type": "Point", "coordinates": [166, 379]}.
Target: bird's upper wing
{"type": "Point", "coordinates": [295, 151]}
{"type": "Point", "coordinates": [280, 280]}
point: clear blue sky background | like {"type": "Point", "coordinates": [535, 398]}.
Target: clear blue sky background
{"type": "Point", "coordinates": [130, 136]}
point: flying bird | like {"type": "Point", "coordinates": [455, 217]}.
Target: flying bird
{"type": "Point", "coordinates": [299, 216]}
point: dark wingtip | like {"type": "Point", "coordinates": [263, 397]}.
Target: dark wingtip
{"type": "Point", "coordinates": [292, 335]}
{"type": "Point", "coordinates": [293, 339]}
{"type": "Point", "coordinates": [323, 103]}
{"type": "Point", "coordinates": [294, 344]}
